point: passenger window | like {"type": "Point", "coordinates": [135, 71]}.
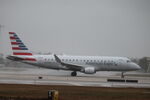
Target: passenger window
{"type": "Point", "coordinates": [128, 61]}
{"type": "Point", "coordinates": [104, 62]}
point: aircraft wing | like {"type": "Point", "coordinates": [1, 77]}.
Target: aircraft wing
{"type": "Point", "coordinates": [70, 66]}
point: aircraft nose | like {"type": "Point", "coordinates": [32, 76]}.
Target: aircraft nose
{"type": "Point", "coordinates": [136, 66]}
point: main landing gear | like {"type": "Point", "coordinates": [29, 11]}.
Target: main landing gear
{"type": "Point", "coordinates": [74, 73]}
{"type": "Point", "coordinates": [122, 74]}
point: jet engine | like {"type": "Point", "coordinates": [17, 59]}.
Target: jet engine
{"type": "Point", "coordinates": [89, 70]}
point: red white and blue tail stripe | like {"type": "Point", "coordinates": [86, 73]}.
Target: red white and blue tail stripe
{"type": "Point", "coordinates": [18, 47]}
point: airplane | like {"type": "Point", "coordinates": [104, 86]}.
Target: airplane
{"type": "Point", "coordinates": [83, 64]}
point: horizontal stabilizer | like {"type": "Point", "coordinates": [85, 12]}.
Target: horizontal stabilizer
{"type": "Point", "coordinates": [14, 58]}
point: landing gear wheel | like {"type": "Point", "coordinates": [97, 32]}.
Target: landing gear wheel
{"type": "Point", "coordinates": [122, 74]}
{"type": "Point", "coordinates": [74, 74]}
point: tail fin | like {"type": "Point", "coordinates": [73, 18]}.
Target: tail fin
{"type": "Point", "coordinates": [18, 47]}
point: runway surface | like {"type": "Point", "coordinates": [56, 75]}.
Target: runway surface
{"type": "Point", "coordinates": [12, 75]}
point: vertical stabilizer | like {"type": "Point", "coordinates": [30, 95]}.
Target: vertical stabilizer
{"type": "Point", "coordinates": [18, 46]}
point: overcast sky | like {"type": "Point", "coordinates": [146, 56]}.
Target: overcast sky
{"type": "Point", "coordinates": [78, 27]}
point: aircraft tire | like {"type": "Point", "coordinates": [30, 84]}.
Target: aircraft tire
{"type": "Point", "coordinates": [74, 74]}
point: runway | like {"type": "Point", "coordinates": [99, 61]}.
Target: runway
{"type": "Point", "coordinates": [50, 77]}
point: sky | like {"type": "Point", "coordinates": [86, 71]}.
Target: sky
{"type": "Point", "coordinates": [78, 27]}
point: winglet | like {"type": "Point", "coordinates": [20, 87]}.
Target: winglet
{"type": "Point", "coordinates": [57, 59]}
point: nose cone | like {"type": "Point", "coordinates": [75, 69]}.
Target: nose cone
{"type": "Point", "coordinates": [135, 66]}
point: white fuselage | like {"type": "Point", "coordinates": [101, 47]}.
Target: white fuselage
{"type": "Point", "coordinates": [90, 64]}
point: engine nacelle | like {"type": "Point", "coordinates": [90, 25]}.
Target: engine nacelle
{"type": "Point", "coordinates": [89, 70]}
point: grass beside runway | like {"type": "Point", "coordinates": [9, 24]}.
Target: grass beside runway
{"type": "Point", "coordinates": [74, 92]}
